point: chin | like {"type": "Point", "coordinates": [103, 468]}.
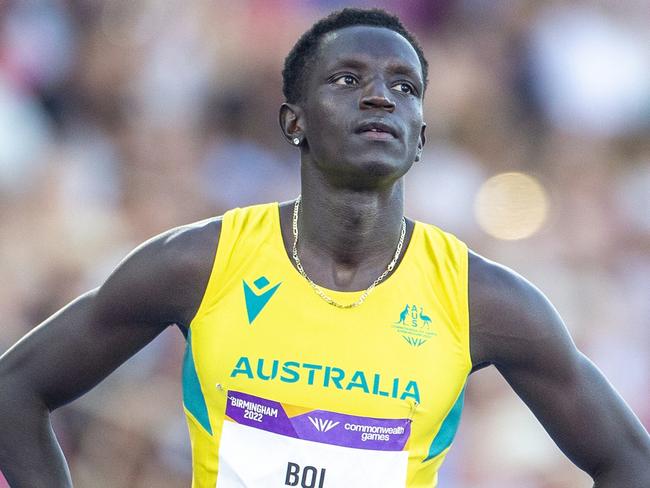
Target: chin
{"type": "Point", "coordinates": [372, 172]}
{"type": "Point", "coordinates": [382, 164]}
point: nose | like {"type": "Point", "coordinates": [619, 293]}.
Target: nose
{"type": "Point", "coordinates": [377, 95]}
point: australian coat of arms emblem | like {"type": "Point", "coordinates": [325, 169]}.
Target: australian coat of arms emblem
{"type": "Point", "coordinates": [414, 325]}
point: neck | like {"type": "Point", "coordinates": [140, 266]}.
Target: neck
{"type": "Point", "coordinates": [347, 237]}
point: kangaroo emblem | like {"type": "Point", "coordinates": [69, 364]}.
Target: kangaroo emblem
{"type": "Point", "coordinates": [402, 315]}
{"type": "Point", "coordinates": [425, 318]}
{"type": "Point", "coordinates": [414, 325]}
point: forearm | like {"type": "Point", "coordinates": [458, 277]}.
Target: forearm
{"type": "Point", "coordinates": [30, 455]}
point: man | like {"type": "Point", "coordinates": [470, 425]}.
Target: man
{"type": "Point", "coordinates": [310, 361]}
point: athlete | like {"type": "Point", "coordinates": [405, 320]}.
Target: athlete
{"type": "Point", "coordinates": [329, 339]}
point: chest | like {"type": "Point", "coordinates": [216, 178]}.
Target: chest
{"type": "Point", "coordinates": [398, 356]}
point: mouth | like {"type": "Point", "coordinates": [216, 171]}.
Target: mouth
{"type": "Point", "coordinates": [377, 131]}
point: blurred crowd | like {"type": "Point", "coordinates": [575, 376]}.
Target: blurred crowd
{"type": "Point", "coordinates": [120, 119]}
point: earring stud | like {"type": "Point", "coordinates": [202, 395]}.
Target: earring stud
{"type": "Point", "coordinates": [296, 141]}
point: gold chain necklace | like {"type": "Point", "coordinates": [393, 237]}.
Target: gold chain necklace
{"type": "Point", "coordinates": [319, 291]}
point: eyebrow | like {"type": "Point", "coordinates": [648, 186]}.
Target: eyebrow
{"type": "Point", "coordinates": [348, 63]}
{"type": "Point", "coordinates": [396, 67]}
{"type": "Point", "coordinates": [403, 69]}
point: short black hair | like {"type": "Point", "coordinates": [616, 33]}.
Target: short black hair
{"type": "Point", "coordinates": [298, 60]}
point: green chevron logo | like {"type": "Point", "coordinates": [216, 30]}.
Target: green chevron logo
{"type": "Point", "coordinates": [255, 302]}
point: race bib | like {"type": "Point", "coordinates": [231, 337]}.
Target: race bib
{"type": "Point", "coordinates": [267, 444]}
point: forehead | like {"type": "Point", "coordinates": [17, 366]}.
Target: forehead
{"type": "Point", "coordinates": [367, 43]}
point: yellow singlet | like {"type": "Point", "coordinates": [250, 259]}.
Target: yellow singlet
{"type": "Point", "coordinates": [282, 389]}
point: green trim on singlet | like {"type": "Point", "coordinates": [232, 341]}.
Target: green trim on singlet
{"type": "Point", "coordinates": [447, 431]}
{"type": "Point", "coordinates": [193, 398]}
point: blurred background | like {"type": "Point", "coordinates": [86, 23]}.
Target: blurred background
{"type": "Point", "coordinates": [121, 118]}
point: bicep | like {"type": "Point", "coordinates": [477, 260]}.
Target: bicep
{"type": "Point", "coordinates": [73, 350]}
{"type": "Point", "coordinates": [159, 284]}
{"type": "Point", "coordinates": [577, 406]}
{"type": "Point", "coordinates": [514, 327]}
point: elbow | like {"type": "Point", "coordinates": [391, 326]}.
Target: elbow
{"type": "Point", "coordinates": [630, 469]}
{"type": "Point", "coordinates": [5, 388]}
{"type": "Point", "coordinates": [17, 398]}
{"type": "Point", "coordinates": [7, 394]}
{"type": "Point", "coordinates": [624, 479]}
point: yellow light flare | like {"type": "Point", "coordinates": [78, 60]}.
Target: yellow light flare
{"type": "Point", "coordinates": [511, 206]}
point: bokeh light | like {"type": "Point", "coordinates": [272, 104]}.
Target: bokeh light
{"type": "Point", "coordinates": [511, 206]}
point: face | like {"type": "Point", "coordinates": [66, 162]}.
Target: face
{"type": "Point", "coordinates": [361, 115]}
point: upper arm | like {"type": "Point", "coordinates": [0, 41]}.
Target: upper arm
{"type": "Point", "coordinates": [158, 284]}
{"type": "Point", "coordinates": [514, 327]}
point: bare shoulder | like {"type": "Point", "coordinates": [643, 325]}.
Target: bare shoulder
{"type": "Point", "coordinates": [510, 318]}
{"type": "Point", "coordinates": [165, 275]}
{"type": "Point", "coordinates": [188, 248]}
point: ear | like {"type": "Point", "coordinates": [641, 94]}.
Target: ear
{"type": "Point", "coordinates": [421, 141]}
{"type": "Point", "coordinates": [290, 118]}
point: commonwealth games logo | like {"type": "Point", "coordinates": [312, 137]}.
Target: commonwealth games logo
{"type": "Point", "coordinates": [414, 325]}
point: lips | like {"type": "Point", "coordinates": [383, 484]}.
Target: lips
{"type": "Point", "coordinates": [377, 130]}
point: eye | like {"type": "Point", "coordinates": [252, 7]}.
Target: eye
{"type": "Point", "coordinates": [404, 87]}
{"type": "Point", "coordinates": [346, 80]}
